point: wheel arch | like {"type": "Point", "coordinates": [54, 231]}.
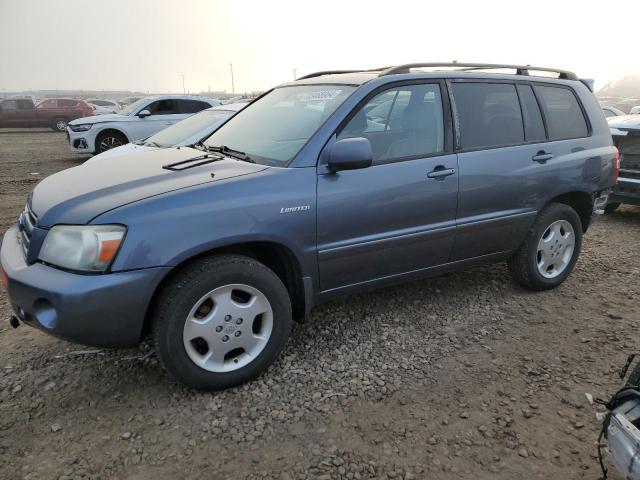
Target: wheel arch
{"type": "Point", "coordinates": [581, 202]}
{"type": "Point", "coordinates": [276, 256]}
{"type": "Point", "coordinates": [110, 129]}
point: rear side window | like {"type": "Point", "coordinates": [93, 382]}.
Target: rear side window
{"type": "Point", "coordinates": [192, 106]}
{"type": "Point", "coordinates": [10, 105]}
{"type": "Point", "coordinates": [488, 114]}
{"type": "Point", "coordinates": [533, 126]}
{"type": "Point", "coordinates": [67, 103]}
{"type": "Point", "coordinates": [562, 112]}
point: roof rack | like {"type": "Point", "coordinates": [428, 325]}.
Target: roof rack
{"type": "Point", "coordinates": [335, 72]}
{"type": "Point", "coordinates": [520, 69]}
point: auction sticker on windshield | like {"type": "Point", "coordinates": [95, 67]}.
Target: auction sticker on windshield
{"type": "Point", "coordinates": [319, 95]}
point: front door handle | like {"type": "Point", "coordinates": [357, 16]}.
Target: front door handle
{"type": "Point", "coordinates": [542, 157]}
{"type": "Point", "coordinates": [440, 172]}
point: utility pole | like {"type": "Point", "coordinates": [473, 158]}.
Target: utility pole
{"type": "Point", "coordinates": [294, 73]}
{"type": "Point", "coordinates": [233, 88]}
{"type": "Point", "coordinates": [183, 90]}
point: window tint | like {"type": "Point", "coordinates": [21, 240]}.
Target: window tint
{"type": "Point", "coordinates": [192, 106]}
{"type": "Point", "coordinates": [163, 107]}
{"type": "Point", "coordinates": [533, 126]}
{"type": "Point", "coordinates": [10, 105]}
{"type": "Point", "coordinates": [401, 122]}
{"type": "Point", "coordinates": [488, 114]}
{"type": "Point", "coordinates": [562, 112]}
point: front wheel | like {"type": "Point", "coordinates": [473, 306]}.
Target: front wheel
{"type": "Point", "coordinates": [550, 250]}
{"type": "Point", "coordinates": [221, 322]}
{"type": "Point", "coordinates": [59, 124]}
{"type": "Point", "coordinates": [108, 140]}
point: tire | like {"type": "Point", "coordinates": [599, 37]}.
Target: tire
{"type": "Point", "coordinates": [611, 207]}
{"type": "Point", "coordinates": [110, 139]}
{"type": "Point", "coordinates": [59, 124]}
{"type": "Point", "coordinates": [634, 377]}
{"type": "Point", "coordinates": [183, 312]}
{"type": "Point", "coordinates": [546, 257]}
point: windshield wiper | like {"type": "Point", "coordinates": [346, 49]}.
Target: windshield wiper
{"type": "Point", "coordinates": [230, 152]}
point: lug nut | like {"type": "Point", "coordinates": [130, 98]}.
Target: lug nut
{"type": "Point", "coordinates": [225, 338]}
{"type": "Point", "coordinates": [219, 328]}
{"type": "Point", "coordinates": [227, 318]}
{"type": "Point", "coordinates": [239, 321]}
{"type": "Point", "coordinates": [238, 333]}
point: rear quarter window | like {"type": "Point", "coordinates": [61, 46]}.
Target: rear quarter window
{"type": "Point", "coordinates": [562, 112]}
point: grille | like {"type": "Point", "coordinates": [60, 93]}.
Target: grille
{"type": "Point", "coordinates": [27, 223]}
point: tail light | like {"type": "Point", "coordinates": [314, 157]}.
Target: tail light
{"type": "Point", "coordinates": [616, 165]}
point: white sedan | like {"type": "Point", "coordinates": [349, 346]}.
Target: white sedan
{"type": "Point", "coordinates": [139, 120]}
{"type": "Point", "coordinates": [187, 132]}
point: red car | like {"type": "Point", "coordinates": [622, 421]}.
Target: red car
{"type": "Point", "coordinates": [54, 113]}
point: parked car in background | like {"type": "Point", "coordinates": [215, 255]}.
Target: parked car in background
{"type": "Point", "coordinates": [216, 250]}
{"type": "Point", "coordinates": [612, 111]}
{"type": "Point", "coordinates": [54, 113]}
{"type": "Point", "coordinates": [108, 106]}
{"type": "Point", "coordinates": [139, 120]}
{"type": "Point", "coordinates": [189, 131]}
{"type": "Point", "coordinates": [126, 101]}
{"type": "Point", "coordinates": [625, 131]}
{"type": "Point", "coordinates": [635, 110]}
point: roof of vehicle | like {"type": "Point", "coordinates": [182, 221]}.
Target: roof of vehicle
{"type": "Point", "coordinates": [627, 122]}
{"type": "Point", "coordinates": [233, 107]}
{"type": "Point", "coordinates": [434, 70]}
{"type": "Point", "coordinates": [181, 97]}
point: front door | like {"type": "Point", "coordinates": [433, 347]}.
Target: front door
{"type": "Point", "coordinates": [163, 113]}
{"type": "Point", "coordinates": [397, 216]}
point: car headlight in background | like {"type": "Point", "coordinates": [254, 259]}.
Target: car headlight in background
{"type": "Point", "coordinates": [86, 248]}
{"type": "Point", "coordinates": [81, 128]}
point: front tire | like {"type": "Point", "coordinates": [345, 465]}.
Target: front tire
{"type": "Point", "coordinates": [550, 251]}
{"type": "Point", "coordinates": [221, 322]}
{"type": "Point", "coordinates": [108, 140]}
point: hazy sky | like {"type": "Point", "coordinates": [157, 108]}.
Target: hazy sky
{"type": "Point", "coordinates": [148, 44]}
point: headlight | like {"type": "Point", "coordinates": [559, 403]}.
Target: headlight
{"type": "Point", "coordinates": [87, 248]}
{"type": "Point", "coordinates": [81, 128]}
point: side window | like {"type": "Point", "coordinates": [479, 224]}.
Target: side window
{"type": "Point", "coordinates": [67, 103]}
{"type": "Point", "coordinates": [533, 126]}
{"type": "Point", "coordinates": [192, 106]}
{"type": "Point", "coordinates": [402, 122]}
{"type": "Point", "coordinates": [488, 114]}
{"type": "Point", "coordinates": [10, 105]}
{"type": "Point", "coordinates": [163, 107]}
{"type": "Point", "coordinates": [25, 105]}
{"type": "Point", "coordinates": [562, 112]}
{"type": "Point", "coordinates": [51, 103]}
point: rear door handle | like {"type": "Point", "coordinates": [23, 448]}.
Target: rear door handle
{"type": "Point", "coordinates": [542, 157]}
{"type": "Point", "coordinates": [440, 172]}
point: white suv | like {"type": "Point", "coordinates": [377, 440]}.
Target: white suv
{"type": "Point", "coordinates": [137, 121]}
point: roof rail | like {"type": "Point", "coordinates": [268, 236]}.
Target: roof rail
{"type": "Point", "coordinates": [520, 69]}
{"type": "Point", "coordinates": [334, 72]}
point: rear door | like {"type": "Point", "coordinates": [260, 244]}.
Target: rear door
{"type": "Point", "coordinates": [508, 167]}
{"type": "Point", "coordinates": [392, 218]}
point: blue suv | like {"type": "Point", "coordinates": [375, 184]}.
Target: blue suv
{"type": "Point", "coordinates": [337, 183]}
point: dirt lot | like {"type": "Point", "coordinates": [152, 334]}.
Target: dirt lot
{"type": "Point", "coordinates": [462, 376]}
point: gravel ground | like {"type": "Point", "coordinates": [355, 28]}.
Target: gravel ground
{"type": "Point", "coordinates": [462, 376]}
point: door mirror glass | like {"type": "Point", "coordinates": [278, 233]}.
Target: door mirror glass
{"type": "Point", "coordinates": [350, 154]}
{"type": "Point", "coordinates": [144, 113]}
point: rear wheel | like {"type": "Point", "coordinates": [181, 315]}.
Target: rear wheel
{"type": "Point", "coordinates": [108, 140]}
{"type": "Point", "coordinates": [221, 322]}
{"type": "Point", "coordinates": [611, 207]}
{"type": "Point", "coordinates": [59, 124]}
{"type": "Point", "coordinates": [550, 251]}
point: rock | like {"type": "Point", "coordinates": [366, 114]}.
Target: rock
{"type": "Point", "coordinates": [56, 427]}
{"type": "Point", "coordinates": [523, 453]}
{"type": "Point", "coordinates": [464, 415]}
{"type": "Point", "coordinates": [126, 435]}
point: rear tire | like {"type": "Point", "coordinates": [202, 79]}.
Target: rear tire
{"type": "Point", "coordinates": [108, 140]}
{"type": "Point", "coordinates": [59, 124]}
{"type": "Point", "coordinates": [611, 207]}
{"type": "Point", "coordinates": [209, 339]}
{"type": "Point", "coordinates": [550, 250]}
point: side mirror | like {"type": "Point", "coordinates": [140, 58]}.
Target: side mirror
{"type": "Point", "coordinates": [350, 154]}
{"type": "Point", "coordinates": [144, 113]}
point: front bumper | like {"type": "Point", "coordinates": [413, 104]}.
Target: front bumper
{"type": "Point", "coordinates": [627, 190]}
{"type": "Point", "coordinates": [623, 440]}
{"type": "Point", "coordinates": [101, 310]}
{"type": "Point", "coordinates": [81, 142]}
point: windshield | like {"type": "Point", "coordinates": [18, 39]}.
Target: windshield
{"type": "Point", "coordinates": [201, 123]}
{"type": "Point", "coordinates": [273, 129]}
{"type": "Point", "coordinates": [135, 106]}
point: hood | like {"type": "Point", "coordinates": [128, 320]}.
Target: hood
{"type": "Point", "coordinates": [108, 117]}
{"type": "Point", "coordinates": [126, 149]}
{"type": "Point", "coordinates": [625, 122]}
{"type": "Point", "coordinates": [79, 194]}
